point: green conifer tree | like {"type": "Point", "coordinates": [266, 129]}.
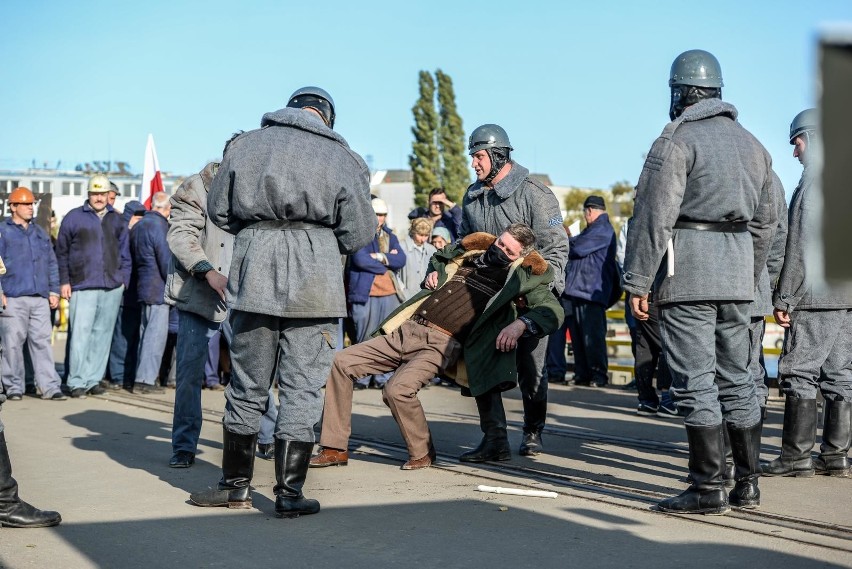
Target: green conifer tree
{"type": "Point", "coordinates": [424, 160]}
{"type": "Point", "coordinates": [451, 142]}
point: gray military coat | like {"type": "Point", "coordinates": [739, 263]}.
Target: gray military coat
{"type": "Point", "coordinates": [795, 291]}
{"type": "Point", "coordinates": [762, 305]}
{"type": "Point", "coordinates": [704, 167]}
{"type": "Point", "coordinates": [517, 198]}
{"type": "Point", "coordinates": [296, 197]}
{"type": "Point", "coordinates": [196, 242]}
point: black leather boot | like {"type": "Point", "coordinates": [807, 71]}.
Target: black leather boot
{"type": "Point", "coordinates": [797, 440]}
{"type": "Point", "coordinates": [492, 421]}
{"type": "Point", "coordinates": [234, 489]}
{"type": "Point", "coordinates": [14, 512]}
{"type": "Point", "coordinates": [745, 445]}
{"type": "Point", "coordinates": [836, 439]}
{"type": "Point", "coordinates": [534, 417]}
{"type": "Point", "coordinates": [291, 469]}
{"type": "Point", "coordinates": [531, 445]}
{"type": "Point", "coordinates": [706, 495]}
{"type": "Point", "coordinates": [730, 471]}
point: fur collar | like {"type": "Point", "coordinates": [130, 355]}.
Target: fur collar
{"type": "Point", "coordinates": [301, 119]}
{"type": "Point", "coordinates": [480, 241]}
{"type": "Point", "coordinates": [707, 108]}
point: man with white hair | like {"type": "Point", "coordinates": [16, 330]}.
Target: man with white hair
{"type": "Point", "coordinates": [151, 256]}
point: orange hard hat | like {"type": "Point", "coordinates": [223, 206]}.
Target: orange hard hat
{"type": "Point", "coordinates": [21, 195]}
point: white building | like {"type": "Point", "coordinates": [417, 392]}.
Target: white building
{"type": "Point", "coordinates": [68, 187]}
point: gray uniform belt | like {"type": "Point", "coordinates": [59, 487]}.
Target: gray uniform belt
{"type": "Point", "coordinates": [718, 227]}
{"type": "Point", "coordinates": [284, 225]}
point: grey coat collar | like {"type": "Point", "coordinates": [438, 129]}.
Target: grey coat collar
{"type": "Point", "coordinates": [708, 108]}
{"type": "Point", "coordinates": [301, 119]}
{"type": "Point", "coordinates": [505, 187]}
{"type": "Point", "coordinates": [701, 110]}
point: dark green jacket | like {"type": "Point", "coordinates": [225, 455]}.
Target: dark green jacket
{"type": "Point", "coordinates": [481, 366]}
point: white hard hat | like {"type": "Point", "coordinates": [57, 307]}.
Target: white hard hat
{"type": "Point", "coordinates": [99, 184]}
{"type": "Point", "coordinates": [379, 206]}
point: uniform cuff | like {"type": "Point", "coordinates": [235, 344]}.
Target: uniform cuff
{"type": "Point", "coordinates": [785, 302]}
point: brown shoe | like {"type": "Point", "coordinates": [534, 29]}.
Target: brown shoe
{"type": "Point", "coordinates": [329, 457]}
{"type": "Point", "coordinates": [423, 462]}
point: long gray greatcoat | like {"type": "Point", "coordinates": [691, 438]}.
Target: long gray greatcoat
{"type": "Point", "coordinates": [296, 196]}
{"type": "Point", "coordinates": [517, 198]}
{"type": "Point", "coordinates": [730, 179]}
{"type": "Point", "coordinates": [196, 243]}
{"type": "Point", "coordinates": [795, 291]}
{"type": "Point", "coordinates": [762, 305]}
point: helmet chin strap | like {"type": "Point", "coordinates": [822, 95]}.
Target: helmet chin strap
{"type": "Point", "coordinates": [499, 157]}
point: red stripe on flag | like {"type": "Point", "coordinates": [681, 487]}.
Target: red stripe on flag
{"type": "Point", "coordinates": [156, 186]}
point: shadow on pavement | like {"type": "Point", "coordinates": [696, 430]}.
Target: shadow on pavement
{"type": "Point", "coordinates": [456, 534]}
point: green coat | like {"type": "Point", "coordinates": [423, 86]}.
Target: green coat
{"type": "Point", "coordinates": [481, 367]}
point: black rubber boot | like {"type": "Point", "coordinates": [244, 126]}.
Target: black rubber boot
{"type": "Point", "coordinates": [706, 495]}
{"type": "Point", "coordinates": [745, 445]}
{"type": "Point", "coordinates": [234, 489]}
{"type": "Point", "coordinates": [836, 439]}
{"type": "Point", "coordinates": [291, 469]}
{"type": "Point", "coordinates": [535, 413]}
{"type": "Point", "coordinates": [492, 421]}
{"type": "Point", "coordinates": [797, 440]}
{"type": "Point", "coordinates": [14, 512]}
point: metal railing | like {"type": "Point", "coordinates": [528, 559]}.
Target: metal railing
{"type": "Point", "coordinates": [617, 315]}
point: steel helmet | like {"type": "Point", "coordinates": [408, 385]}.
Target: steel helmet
{"type": "Point", "coordinates": [99, 184]}
{"type": "Point", "coordinates": [314, 98]}
{"type": "Point", "coordinates": [806, 121]}
{"type": "Point", "coordinates": [697, 68]}
{"type": "Point", "coordinates": [488, 136]}
{"type": "Point", "coordinates": [21, 195]}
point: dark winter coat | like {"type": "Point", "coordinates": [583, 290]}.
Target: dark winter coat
{"type": "Point", "coordinates": [591, 263]}
{"type": "Point", "coordinates": [92, 252]}
{"type": "Point", "coordinates": [31, 267]}
{"type": "Point", "coordinates": [151, 257]}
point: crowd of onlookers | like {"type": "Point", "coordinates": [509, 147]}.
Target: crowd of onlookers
{"type": "Point", "coordinates": [112, 267]}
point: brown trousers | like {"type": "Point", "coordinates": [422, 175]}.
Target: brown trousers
{"type": "Point", "coordinates": [417, 353]}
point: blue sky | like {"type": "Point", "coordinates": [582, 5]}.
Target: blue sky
{"type": "Point", "coordinates": [581, 87]}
